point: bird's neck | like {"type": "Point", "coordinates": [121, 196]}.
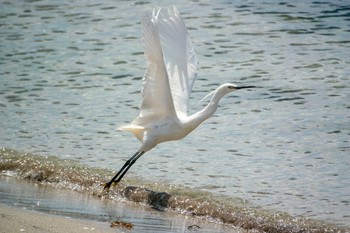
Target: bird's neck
{"type": "Point", "coordinates": [197, 118]}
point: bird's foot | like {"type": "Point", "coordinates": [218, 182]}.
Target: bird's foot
{"type": "Point", "coordinates": [107, 186]}
{"type": "Point", "coordinates": [105, 189]}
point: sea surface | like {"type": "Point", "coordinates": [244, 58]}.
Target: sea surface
{"type": "Point", "coordinates": [71, 74]}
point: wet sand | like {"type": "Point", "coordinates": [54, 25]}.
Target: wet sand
{"type": "Point", "coordinates": [22, 220]}
{"type": "Point", "coordinates": [65, 188]}
{"type": "Point", "coordinates": [27, 206]}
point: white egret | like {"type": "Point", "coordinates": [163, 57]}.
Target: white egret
{"type": "Point", "coordinates": [167, 85]}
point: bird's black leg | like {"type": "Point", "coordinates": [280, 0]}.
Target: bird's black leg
{"type": "Point", "coordinates": [129, 166]}
{"type": "Point", "coordinates": [123, 170]}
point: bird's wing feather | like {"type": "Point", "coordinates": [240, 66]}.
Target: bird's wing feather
{"type": "Point", "coordinates": [156, 101]}
{"type": "Point", "coordinates": [179, 57]}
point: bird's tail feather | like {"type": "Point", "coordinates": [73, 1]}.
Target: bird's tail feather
{"type": "Point", "coordinates": [134, 129]}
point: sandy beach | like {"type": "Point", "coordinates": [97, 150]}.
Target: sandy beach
{"type": "Point", "coordinates": [27, 206]}
{"type": "Point", "coordinates": [33, 199]}
{"type": "Point", "coordinates": [21, 220]}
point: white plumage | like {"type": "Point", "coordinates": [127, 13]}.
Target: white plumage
{"type": "Point", "coordinates": [167, 85]}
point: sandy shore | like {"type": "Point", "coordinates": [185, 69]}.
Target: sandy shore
{"type": "Point", "coordinates": [18, 194]}
{"type": "Point", "coordinates": [21, 220]}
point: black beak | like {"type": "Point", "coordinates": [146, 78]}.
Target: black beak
{"type": "Point", "coordinates": [244, 87]}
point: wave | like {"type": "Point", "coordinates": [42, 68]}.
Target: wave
{"type": "Point", "coordinates": [69, 174]}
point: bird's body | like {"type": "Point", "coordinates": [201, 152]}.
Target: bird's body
{"type": "Point", "coordinates": [167, 85]}
{"type": "Point", "coordinates": [165, 129]}
{"type": "Point", "coordinates": [154, 131]}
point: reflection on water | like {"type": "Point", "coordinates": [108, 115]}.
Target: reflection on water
{"type": "Point", "coordinates": [71, 74]}
{"type": "Point", "coordinates": [71, 204]}
{"type": "Point", "coordinates": [70, 175]}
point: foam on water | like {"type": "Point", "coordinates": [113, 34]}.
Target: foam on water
{"type": "Point", "coordinates": [71, 175]}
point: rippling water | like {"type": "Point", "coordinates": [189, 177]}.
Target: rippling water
{"type": "Point", "coordinates": [70, 74]}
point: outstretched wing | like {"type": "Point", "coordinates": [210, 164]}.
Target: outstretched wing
{"type": "Point", "coordinates": [156, 101]}
{"type": "Point", "coordinates": [179, 57]}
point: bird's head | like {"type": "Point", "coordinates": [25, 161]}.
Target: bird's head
{"type": "Point", "coordinates": [229, 87]}
{"type": "Point", "coordinates": [225, 89]}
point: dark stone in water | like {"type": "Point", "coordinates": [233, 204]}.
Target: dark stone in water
{"type": "Point", "coordinates": [158, 200]}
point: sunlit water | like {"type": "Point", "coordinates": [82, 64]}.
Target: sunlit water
{"type": "Point", "coordinates": [36, 197]}
{"type": "Point", "coordinates": [70, 74]}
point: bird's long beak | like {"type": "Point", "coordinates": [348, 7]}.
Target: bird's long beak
{"type": "Point", "coordinates": [244, 87]}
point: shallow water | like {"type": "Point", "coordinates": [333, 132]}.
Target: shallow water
{"type": "Point", "coordinates": [33, 196]}
{"type": "Point", "coordinates": [47, 184]}
{"type": "Point", "coordinates": [70, 74]}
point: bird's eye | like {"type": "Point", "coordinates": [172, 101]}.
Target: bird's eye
{"type": "Point", "coordinates": [231, 87]}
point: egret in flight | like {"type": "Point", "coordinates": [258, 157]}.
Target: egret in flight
{"type": "Point", "coordinates": [167, 85]}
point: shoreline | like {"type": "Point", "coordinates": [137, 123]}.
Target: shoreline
{"type": "Point", "coordinates": [27, 206]}
{"type": "Point", "coordinates": [66, 188]}
{"type": "Point", "coordinates": [15, 219]}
